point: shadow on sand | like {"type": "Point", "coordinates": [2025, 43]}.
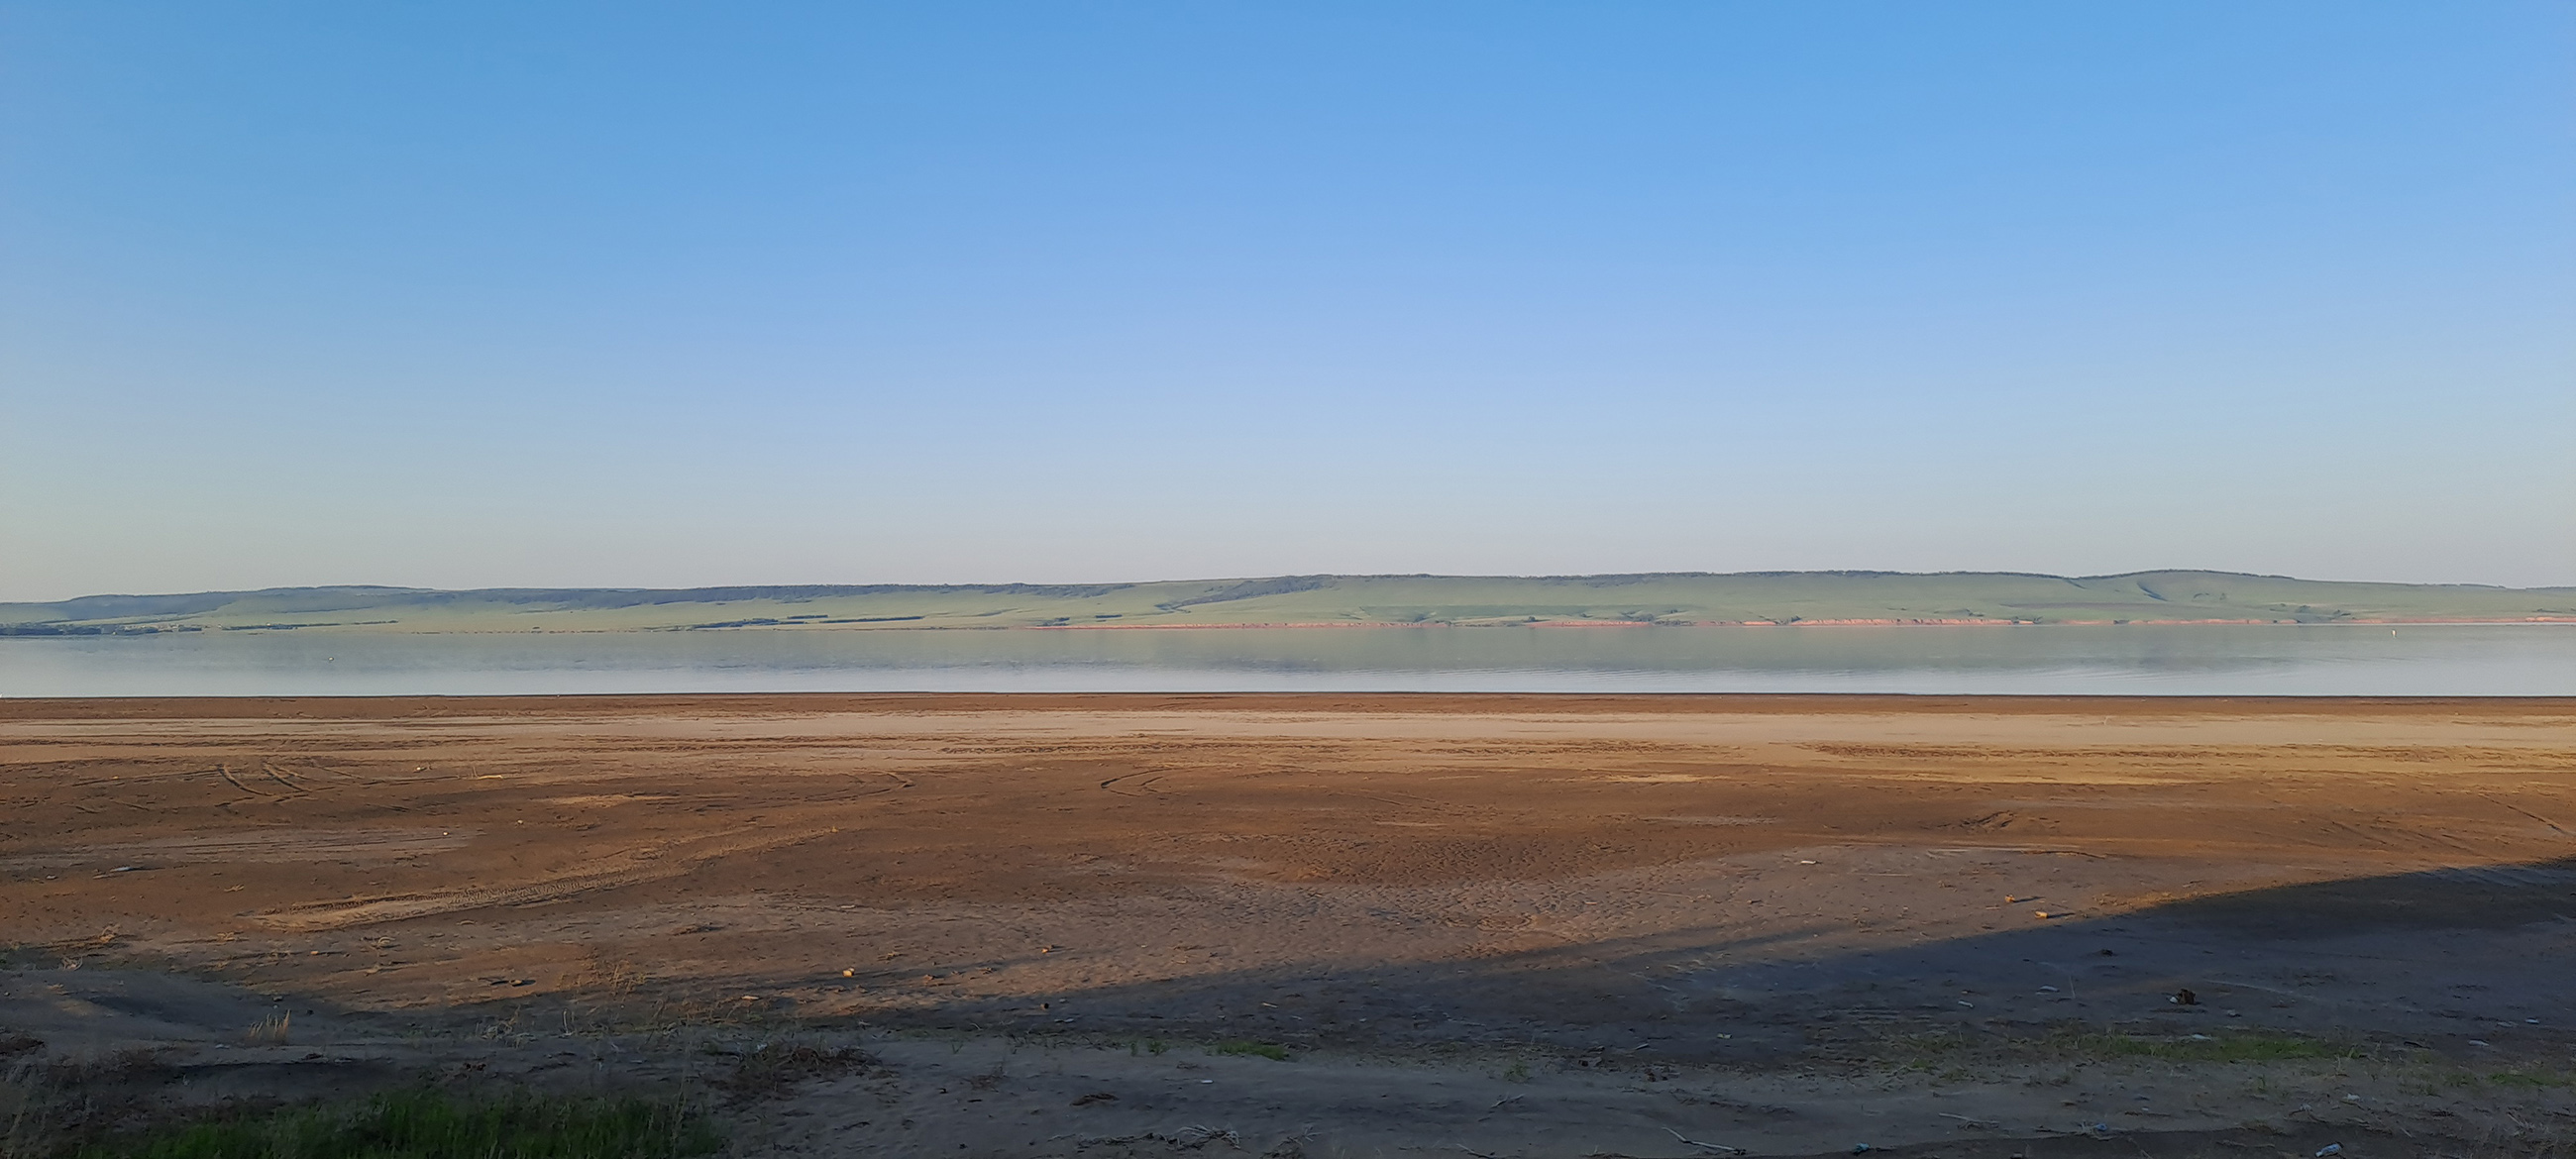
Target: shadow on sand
{"type": "Point", "coordinates": [2473, 962]}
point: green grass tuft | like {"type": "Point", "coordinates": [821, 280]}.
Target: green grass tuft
{"type": "Point", "coordinates": [432, 1125]}
{"type": "Point", "coordinates": [1271, 1051]}
{"type": "Point", "coordinates": [2516, 1078]}
{"type": "Point", "coordinates": [2206, 1048]}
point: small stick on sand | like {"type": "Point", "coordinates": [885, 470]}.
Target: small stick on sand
{"type": "Point", "coordinates": [1720, 1148]}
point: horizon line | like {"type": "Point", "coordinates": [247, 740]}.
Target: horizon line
{"type": "Point", "coordinates": [1010, 585]}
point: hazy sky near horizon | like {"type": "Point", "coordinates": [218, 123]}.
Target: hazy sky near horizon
{"type": "Point", "coordinates": [655, 295]}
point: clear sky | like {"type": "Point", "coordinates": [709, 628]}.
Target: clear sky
{"type": "Point", "coordinates": [616, 294]}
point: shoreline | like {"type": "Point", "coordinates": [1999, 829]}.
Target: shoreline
{"type": "Point", "coordinates": [1793, 622]}
{"type": "Point", "coordinates": [361, 706]}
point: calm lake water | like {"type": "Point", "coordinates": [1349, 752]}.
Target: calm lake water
{"type": "Point", "coordinates": [2316, 660]}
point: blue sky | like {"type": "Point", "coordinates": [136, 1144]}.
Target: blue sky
{"type": "Point", "coordinates": [626, 294]}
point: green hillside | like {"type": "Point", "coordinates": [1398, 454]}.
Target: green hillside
{"type": "Point", "coordinates": [1666, 598]}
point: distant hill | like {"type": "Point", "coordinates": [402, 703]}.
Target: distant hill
{"type": "Point", "coordinates": [1321, 600]}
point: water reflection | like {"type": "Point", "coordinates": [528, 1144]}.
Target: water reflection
{"type": "Point", "coordinates": [2415, 660]}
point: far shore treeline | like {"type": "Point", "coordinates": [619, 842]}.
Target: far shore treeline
{"type": "Point", "coordinates": [1672, 598]}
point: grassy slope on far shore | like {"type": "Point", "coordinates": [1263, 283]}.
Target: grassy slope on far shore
{"type": "Point", "coordinates": [1667, 598]}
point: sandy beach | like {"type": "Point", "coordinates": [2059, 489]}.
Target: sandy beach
{"type": "Point", "coordinates": [1509, 925]}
